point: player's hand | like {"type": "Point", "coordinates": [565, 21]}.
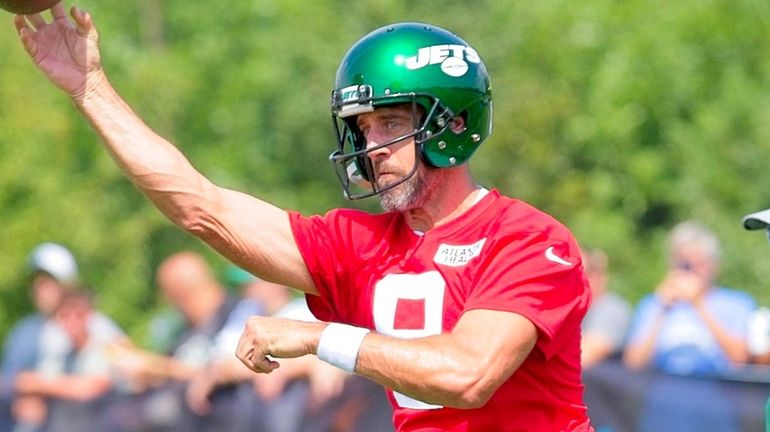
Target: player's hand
{"type": "Point", "coordinates": [278, 338]}
{"type": "Point", "coordinates": [65, 50]}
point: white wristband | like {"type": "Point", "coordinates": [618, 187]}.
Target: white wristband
{"type": "Point", "coordinates": [339, 345]}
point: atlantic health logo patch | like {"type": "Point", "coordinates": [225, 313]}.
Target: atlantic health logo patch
{"type": "Point", "coordinates": [458, 255]}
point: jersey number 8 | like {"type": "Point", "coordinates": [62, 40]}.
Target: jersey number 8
{"type": "Point", "coordinates": [409, 306]}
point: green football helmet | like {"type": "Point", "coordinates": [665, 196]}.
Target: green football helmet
{"type": "Point", "coordinates": [435, 71]}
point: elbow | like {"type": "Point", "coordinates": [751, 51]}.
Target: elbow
{"type": "Point", "coordinates": [473, 399]}
{"type": "Point", "coordinates": [199, 219]}
{"type": "Point", "coordinates": [193, 207]}
{"type": "Point", "coordinates": [470, 389]}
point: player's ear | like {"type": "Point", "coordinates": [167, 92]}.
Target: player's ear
{"type": "Point", "coordinates": [458, 125]}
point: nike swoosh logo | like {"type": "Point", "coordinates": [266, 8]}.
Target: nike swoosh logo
{"type": "Point", "coordinates": [550, 256]}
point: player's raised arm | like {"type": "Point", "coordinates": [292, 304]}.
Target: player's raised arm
{"type": "Point", "coordinates": [239, 226]}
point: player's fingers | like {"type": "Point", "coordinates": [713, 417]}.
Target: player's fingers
{"type": "Point", "coordinates": [245, 349]}
{"type": "Point", "coordinates": [36, 20]}
{"type": "Point", "coordinates": [265, 365]}
{"type": "Point", "coordinates": [83, 22]}
{"type": "Point", "coordinates": [58, 12]}
{"type": "Point", "coordinates": [242, 353]}
{"type": "Point", "coordinates": [26, 34]}
{"type": "Point", "coordinates": [246, 354]}
{"type": "Point", "coordinates": [257, 362]}
{"type": "Point", "coordinates": [253, 362]}
{"type": "Point", "coordinates": [21, 23]}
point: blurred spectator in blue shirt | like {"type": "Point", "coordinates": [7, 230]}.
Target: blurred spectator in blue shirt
{"type": "Point", "coordinates": [53, 269]}
{"type": "Point", "coordinates": [690, 326]}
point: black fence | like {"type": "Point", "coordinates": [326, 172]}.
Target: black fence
{"type": "Point", "coordinates": [619, 400]}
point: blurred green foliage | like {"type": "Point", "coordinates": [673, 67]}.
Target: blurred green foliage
{"type": "Point", "coordinates": [619, 118]}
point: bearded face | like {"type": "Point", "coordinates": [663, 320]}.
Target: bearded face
{"type": "Point", "coordinates": [412, 193]}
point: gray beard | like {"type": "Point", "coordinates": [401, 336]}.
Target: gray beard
{"type": "Point", "coordinates": [402, 197]}
{"type": "Point", "coordinates": [408, 195]}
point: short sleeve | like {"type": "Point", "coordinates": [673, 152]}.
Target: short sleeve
{"type": "Point", "coordinates": [539, 277]}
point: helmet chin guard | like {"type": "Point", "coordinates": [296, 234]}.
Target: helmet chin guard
{"type": "Point", "coordinates": [424, 66]}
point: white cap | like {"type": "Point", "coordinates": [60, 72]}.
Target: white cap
{"type": "Point", "coordinates": [758, 220]}
{"type": "Point", "coordinates": [55, 260]}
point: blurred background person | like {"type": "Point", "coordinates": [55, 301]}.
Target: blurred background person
{"type": "Point", "coordinates": [689, 325]}
{"type": "Point", "coordinates": [305, 389]}
{"type": "Point", "coordinates": [73, 384]}
{"type": "Point", "coordinates": [189, 284]}
{"type": "Point", "coordinates": [277, 402]}
{"type": "Point", "coordinates": [219, 396]}
{"type": "Point", "coordinates": [606, 322]}
{"type": "Point", "coordinates": [53, 269]}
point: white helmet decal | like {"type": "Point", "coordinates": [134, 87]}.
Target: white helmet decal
{"type": "Point", "coordinates": [452, 58]}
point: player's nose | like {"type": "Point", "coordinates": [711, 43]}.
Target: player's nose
{"type": "Point", "coordinates": [375, 148]}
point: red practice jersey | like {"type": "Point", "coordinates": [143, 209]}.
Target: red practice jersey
{"type": "Point", "coordinates": [373, 271]}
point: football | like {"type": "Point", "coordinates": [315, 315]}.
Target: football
{"type": "Point", "coordinates": [26, 7]}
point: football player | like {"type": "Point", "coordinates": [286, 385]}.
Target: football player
{"type": "Point", "coordinates": [465, 304]}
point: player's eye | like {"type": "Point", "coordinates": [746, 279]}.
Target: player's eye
{"type": "Point", "coordinates": [392, 125]}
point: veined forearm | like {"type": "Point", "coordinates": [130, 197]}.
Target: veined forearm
{"type": "Point", "coordinates": [461, 369]}
{"type": "Point", "coordinates": [250, 232]}
{"type": "Point", "coordinates": [430, 369]}
{"type": "Point", "coordinates": [153, 164]}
